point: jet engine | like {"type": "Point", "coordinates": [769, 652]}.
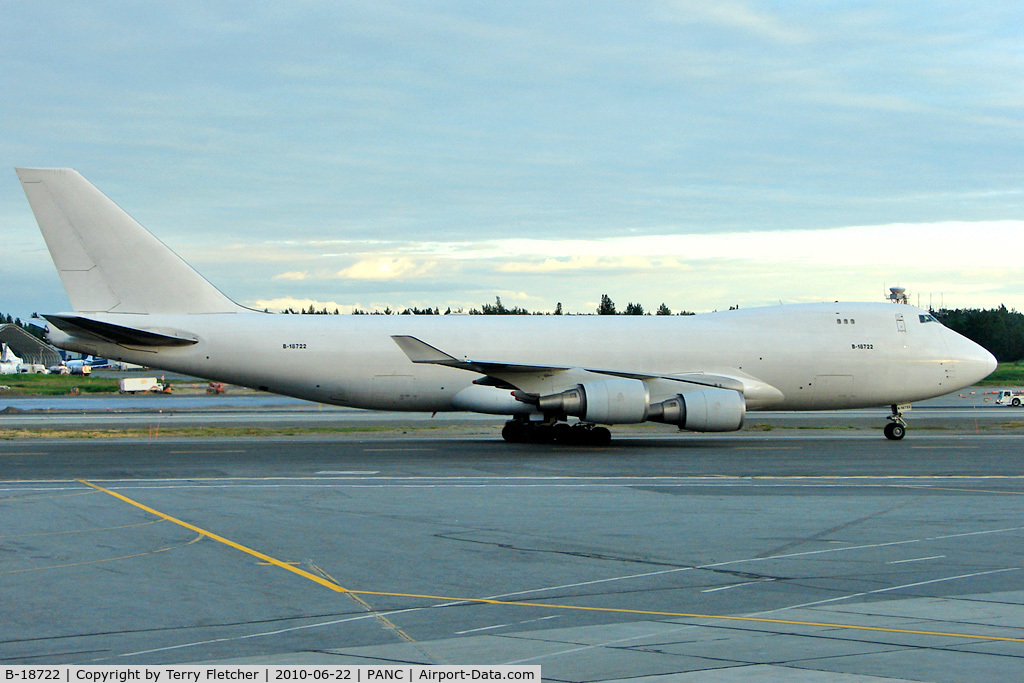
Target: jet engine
{"type": "Point", "coordinates": [707, 410]}
{"type": "Point", "coordinates": [627, 401]}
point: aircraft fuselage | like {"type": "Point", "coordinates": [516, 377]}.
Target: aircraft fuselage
{"type": "Point", "coordinates": [816, 356]}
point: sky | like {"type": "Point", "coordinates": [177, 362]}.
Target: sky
{"type": "Point", "coordinates": [373, 154]}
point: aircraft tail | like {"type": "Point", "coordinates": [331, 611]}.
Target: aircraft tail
{"type": "Point", "coordinates": [107, 262]}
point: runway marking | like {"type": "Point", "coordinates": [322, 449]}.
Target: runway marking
{"type": "Point", "coordinates": [736, 585]}
{"type": "Point", "coordinates": [261, 634]}
{"type": "Point", "coordinates": [726, 563]}
{"type": "Point", "coordinates": [108, 559]}
{"type": "Point", "coordinates": [46, 496]}
{"type": "Point", "coordinates": [512, 623]}
{"type": "Point", "coordinates": [398, 450]}
{"type": "Point", "coordinates": [917, 559]}
{"type": "Point", "coordinates": [331, 585]}
{"type": "Point", "coordinates": [200, 452]}
{"type": "Point", "coordinates": [556, 478]}
{"type": "Point", "coordinates": [351, 473]}
{"type": "Point", "coordinates": [388, 624]}
{"type": "Point", "coordinates": [81, 531]}
{"type": "Point", "coordinates": [894, 588]}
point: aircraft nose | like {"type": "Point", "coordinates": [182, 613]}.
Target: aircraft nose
{"type": "Point", "coordinates": [974, 362]}
{"type": "Point", "coordinates": [990, 363]}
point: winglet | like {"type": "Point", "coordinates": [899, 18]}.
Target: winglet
{"type": "Point", "coordinates": [421, 352]}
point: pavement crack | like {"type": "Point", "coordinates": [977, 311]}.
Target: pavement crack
{"type": "Point", "coordinates": [831, 530]}
{"type": "Point", "coordinates": [585, 554]}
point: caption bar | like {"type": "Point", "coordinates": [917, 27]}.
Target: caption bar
{"type": "Point", "coordinates": [265, 674]}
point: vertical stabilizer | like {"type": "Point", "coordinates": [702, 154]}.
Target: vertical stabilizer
{"type": "Point", "coordinates": [107, 262]}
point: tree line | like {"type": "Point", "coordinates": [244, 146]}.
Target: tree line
{"type": "Point", "coordinates": [1000, 330]}
{"type": "Point", "coordinates": [606, 307]}
{"type": "Point", "coordinates": [34, 330]}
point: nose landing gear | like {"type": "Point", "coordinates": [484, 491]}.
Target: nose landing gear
{"type": "Point", "coordinates": [897, 427]}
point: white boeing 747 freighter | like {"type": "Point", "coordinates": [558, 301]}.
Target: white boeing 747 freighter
{"type": "Point", "coordinates": [135, 300]}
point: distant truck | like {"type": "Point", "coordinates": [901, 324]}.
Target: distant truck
{"type": "Point", "coordinates": [137, 385]}
{"type": "Point", "coordinates": [32, 369]}
{"type": "Point", "coordinates": [1011, 397]}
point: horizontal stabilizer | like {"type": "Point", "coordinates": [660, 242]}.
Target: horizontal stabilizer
{"type": "Point", "coordinates": [88, 328]}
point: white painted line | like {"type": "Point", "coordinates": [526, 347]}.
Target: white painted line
{"type": "Point", "coordinates": [769, 558]}
{"type": "Point", "coordinates": [655, 480]}
{"type": "Point", "coordinates": [485, 628]}
{"type": "Point", "coordinates": [349, 473]}
{"type": "Point", "coordinates": [517, 623]}
{"type": "Point", "coordinates": [735, 585]}
{"type": "Point", "coordinates": [200, 452]}
{"type": "Point", "coordinates": [893, 588]}
{"type": "Point", "coordinates": [917, 559]}
{"type": "Point", "coordinates": [261, 634]}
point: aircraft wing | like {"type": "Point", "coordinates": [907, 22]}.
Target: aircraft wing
{"type": "Point", "coordinates": [542, 379]}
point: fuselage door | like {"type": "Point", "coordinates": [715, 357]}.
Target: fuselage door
{"type": "Point", "coordinates": [901, 324]}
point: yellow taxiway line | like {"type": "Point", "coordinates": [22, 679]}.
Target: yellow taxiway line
{"type": "Point", "coordinates": [334, 586]}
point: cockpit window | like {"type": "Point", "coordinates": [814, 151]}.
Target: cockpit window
{"type": "Point", "coordinates": [928, 318]}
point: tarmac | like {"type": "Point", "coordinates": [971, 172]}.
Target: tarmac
{"type": "Point", "coordinates": [794, 553]}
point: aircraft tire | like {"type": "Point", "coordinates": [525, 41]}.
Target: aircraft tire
{"type": "Point", "coordinates": [600, 436]}
{"type": "Point", "coordinates": [562, 433]}
{"type": "Point", "coordinates": [513, 432]}
{"type": "Point", "coordinates": [541, 434]}
{"type": "Point", "coordinates": [895, 431]}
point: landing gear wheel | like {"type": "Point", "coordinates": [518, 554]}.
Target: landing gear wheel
{"type": "Point", "coordinates": [600, 436]}
{"type": "Point", "coordinates": [897, 428]}
{"type": "Point", "coordinates": [522, 431]}
{"type": "Point", "coordinates": [541, 434]}
{"type": "Point", "coordinates": [895, 431]}
{"type": "Point", "coordinates": [562, 433]}
{"type": "Point", "coordinates": [514, 431]}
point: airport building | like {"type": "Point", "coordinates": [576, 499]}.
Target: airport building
{"type": "Point", "coordinates": [27, 347]}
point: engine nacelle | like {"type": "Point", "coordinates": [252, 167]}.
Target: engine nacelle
{"type": "Point", "coordinates": [628, 401]}
{"type": "Point", "coordinates": [707, 410]}
{"type": "Point", "coordinates": [611, 401]}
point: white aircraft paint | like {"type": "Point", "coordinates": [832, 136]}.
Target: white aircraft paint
{"type": "Point", "coordinates": [135, 300]}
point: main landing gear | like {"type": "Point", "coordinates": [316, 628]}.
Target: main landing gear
{"type": "Point", "coordinates": [580, 434]}
{"type": "Point", "coordinates": [897, 428]}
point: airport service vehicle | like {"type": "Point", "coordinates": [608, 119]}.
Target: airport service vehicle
{"type": "Point", "coordinates": [137, 385]}
{"type": "Point", "coordinates": [135, 300]}
{"type": "Point", "coordinates": [33, 369]}
{"type": "Point", "coordinates": [1011, 397]}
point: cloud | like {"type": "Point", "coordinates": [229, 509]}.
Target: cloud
{"type": "Point", "coordinates": [292, 275]}
{"type": "Point", "coordinates": [736, 16]}
{"type": "Point", "coordinates": [385, 268]}
{"type": "Point", "coordinates": [951, 263]}
{"type": "Point", "coordinates": [591, 262]}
